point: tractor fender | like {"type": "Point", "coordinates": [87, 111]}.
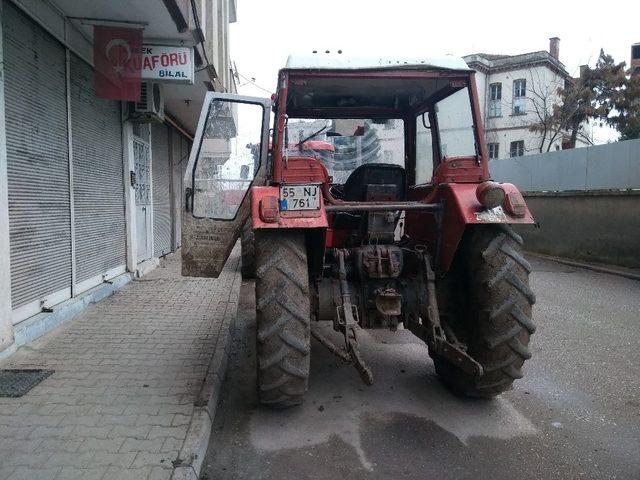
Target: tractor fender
{"type": "Point", "coordinates": [462, 208]}
{"type": "Point", "coordinates": [265, 212]}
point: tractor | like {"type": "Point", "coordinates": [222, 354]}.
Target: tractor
{"type": "Point", "coordinates": [367, 204]}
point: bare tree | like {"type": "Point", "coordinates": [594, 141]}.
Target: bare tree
{"type": "Point", "coordinates": [554, 120]}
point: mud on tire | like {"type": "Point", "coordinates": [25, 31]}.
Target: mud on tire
{"type": "Point", "coordinates": [488, 307]}
{"type": "Point", "coordinates": [283, 317]}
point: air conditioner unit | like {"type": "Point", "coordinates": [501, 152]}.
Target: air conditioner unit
{"type": "Point", "coordinates": [150, 108]}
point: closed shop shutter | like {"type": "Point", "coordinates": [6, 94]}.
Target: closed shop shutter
{"type": "Point", "coordinates": [161, 178]}
{"type": "Point", "coordinates": [178, 188]}
{"type": "Point", "coordinates": [98, 189]}
{"type": "Point", "coordinates": [37, 164]}
{"type": "Point", "coordinates": [185, 148]}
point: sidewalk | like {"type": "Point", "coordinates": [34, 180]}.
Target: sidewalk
{"type": "Point", "coordinates": [128, 372]}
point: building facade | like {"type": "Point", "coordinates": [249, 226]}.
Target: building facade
{"type": "Point", "coordinates": [634, 64]}
{"type": "Point", "coordinates": [516, 92]}
{"type": "Point", "coordinates": [90, 195]}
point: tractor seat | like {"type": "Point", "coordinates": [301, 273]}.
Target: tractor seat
{"type": "Point", "coordinates": [390, 179]}
{"type": "Point", "coordinates": [369, 183]}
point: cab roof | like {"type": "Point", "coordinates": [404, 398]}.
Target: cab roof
{"type": "Point", "coordinates": [338, 86]}
{"type": "Point", "coordinates": [337, 61]}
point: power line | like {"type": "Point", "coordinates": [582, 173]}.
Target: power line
{"type": "Point", "coordinates": [253, 82]}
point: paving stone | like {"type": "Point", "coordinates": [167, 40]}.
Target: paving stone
{"type": "Point", "coordinates": [147, 459]}
{"type": "Point", "coordinates": [110, 445]}
{"type": "Point", "coordinates": [159, 473]}
{"type": "Point", "coordinates": [161, 420]}
{"type": "Point", "coordinates": [137, 445]}
{"type": "Point", "coordinates": [80, 460]}
{"type": "Point", "coordinates": [102, 431]}
{"type": "Point", "coordinates": [74, 473]}
{"type": "Point", "coordinates": [29, 473]}
{"type": "Point", "coordinates": [141, 432]}
{"type": "Point", "coordinates": [168, 432]}
{"type": "Point", "coordinates": [121, 460]}
{"type": "Point", "coordinates": [127, 372]}
{"type": "Point", "coordinates": [116, 473]}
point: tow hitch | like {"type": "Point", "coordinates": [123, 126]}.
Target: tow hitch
{"type": "Point", "coordinates": [346, 322]}
{"type": "Point", "coordinates": [435, 335]}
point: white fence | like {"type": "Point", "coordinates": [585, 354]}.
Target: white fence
{"type": "Point", "coordinates": [614, 166]}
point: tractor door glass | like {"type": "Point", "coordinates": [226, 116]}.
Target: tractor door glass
{"type": "Point", "coordinates": [424, 150]}
{"type": "Point", "coordinates": [228, 159]}
{"type": "Point", "coordinates": [455, 125]}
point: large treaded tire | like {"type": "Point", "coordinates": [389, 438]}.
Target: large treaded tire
{"type": "Point", "coordinates": [283, 317]}
{"type": "Point", "coordinates": [247, 244]}
{"type": "Point", "coordinates": [495, 320]}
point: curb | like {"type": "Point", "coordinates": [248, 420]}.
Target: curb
{"type": "Point", "coordinates": [621, 272]}
{"type": "Point", "coordinates": [194, 447]}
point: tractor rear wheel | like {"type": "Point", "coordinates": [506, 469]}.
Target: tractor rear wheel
{"type": "Point", "coordinates": [486, 302]}
{"type": "Point", "coordinates": [283, 317]}
{"type": "Point", "coordinates": [247, 244]}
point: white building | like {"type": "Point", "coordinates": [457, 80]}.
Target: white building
{"type": "Point", "coordinates": [89, 196]}
{"type": "Point", "coordinates": [516, 92]}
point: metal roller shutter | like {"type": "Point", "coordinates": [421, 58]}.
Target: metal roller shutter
{"type": "Point", "coordinates": [98, 191]}
{"type": "Point", "coordinates": [185, 148]}
{"type": "Point", "coordinates": [161, 187]}
{"type": "Point", "coordinates": [177, 160]}
{"type": "Point", "coordinates": [37, 163]}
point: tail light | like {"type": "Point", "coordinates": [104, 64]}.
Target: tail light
{"type": "Point", "coordinates": [515, 205]}
{"type": "Point", "coordinates": [490, 194]}
{"type": "Point", "coordinates": [269, 210]}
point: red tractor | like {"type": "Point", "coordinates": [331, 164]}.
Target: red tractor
{"type": "Point", "coordinates": [370, 206]}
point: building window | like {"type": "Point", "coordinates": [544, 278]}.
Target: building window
{"type": "Point", "coordinates": [494, 150]}
{"type": "Point", "coordinates": [517, 149]}
{"type": "Point", "coordinates": [495, 97]}
{"type": "Point", "coordinates": [520, 97]}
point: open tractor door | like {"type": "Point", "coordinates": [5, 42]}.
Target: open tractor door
{"type": "Point", "coordinates": [376, 209]}
{"type": "Point", "coordinates": [229, 154]}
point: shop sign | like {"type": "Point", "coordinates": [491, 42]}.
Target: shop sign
{"type": "Point", "coordinates": [161, 63]}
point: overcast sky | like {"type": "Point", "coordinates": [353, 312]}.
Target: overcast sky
{"type": "Point", "coordinates": [268, 30]}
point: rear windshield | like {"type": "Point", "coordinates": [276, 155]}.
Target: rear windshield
{"type": "Point", "coordinates": [342, 145]}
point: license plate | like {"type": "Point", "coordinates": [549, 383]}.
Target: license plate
{"type": "Point", "coordinates": [299, 197]}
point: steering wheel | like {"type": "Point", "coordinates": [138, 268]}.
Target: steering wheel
{"type": "Point", "coordinates": [337, 191]}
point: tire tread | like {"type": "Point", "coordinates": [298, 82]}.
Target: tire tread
{"type": "Point", "coordinates": [283, 317]}
{"type": "Point", "coordinates": [501, 303]}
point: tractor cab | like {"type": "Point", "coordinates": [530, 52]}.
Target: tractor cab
{"type": "Point", "coordinates": [367, 204]}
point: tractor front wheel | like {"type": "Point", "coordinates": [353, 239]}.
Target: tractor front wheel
{"type": "Point", "coordinates": [486, 302]}
{"type": "Point", "coordinates": [283, 317]}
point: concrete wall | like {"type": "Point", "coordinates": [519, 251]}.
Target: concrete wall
{"type": "Point", "coordinates": [586, 201]}
{"type": "Point", "coordinates": [601, 227]}
{"type": "Point", "coordinates": [614, 166]}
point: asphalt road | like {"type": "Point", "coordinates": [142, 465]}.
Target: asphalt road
{"type": "Point", "coordinates": [575, 415]}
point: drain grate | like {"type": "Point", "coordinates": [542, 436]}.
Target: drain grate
{"type": "Point", "coordinates": [16, 383]}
